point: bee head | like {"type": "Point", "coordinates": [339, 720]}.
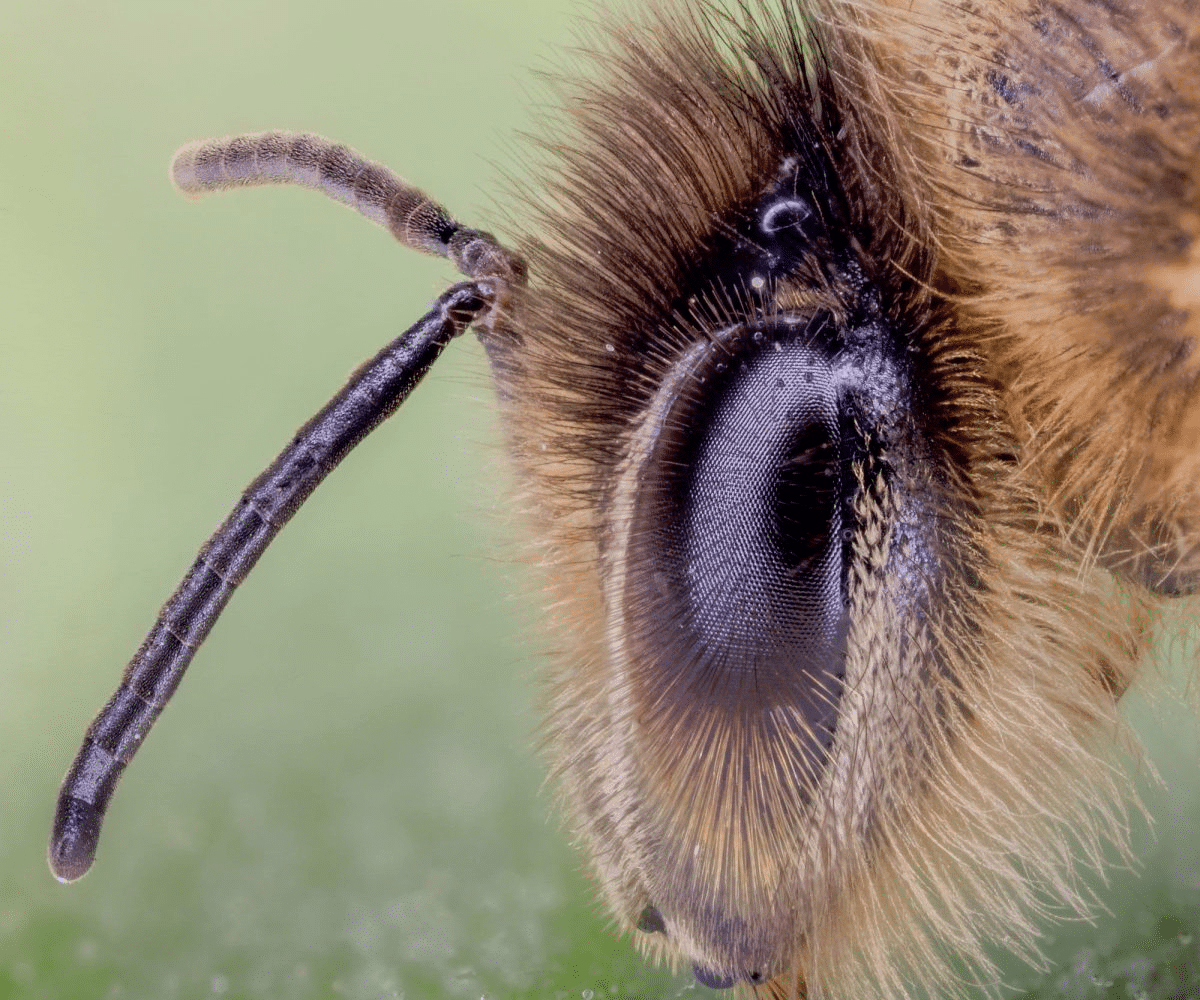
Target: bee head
{"type": "Point", "coordinates": [808, 597]}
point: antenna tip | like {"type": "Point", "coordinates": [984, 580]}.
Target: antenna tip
{"type": "Point", "coordinates": [183, 170]}
{"type": "Point", "coordinates": [74, 840]}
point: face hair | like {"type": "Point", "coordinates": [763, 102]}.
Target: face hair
{"type": "Point", "coordinates": [852, 397]}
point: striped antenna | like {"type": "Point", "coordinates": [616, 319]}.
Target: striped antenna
{"type": "Point", "coordinates": [373, 393]}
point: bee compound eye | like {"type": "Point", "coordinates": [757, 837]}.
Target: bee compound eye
{"type": "Point", "coordinates": [734, 582]}
{"type": "Point", "coordinates": [729, 598]}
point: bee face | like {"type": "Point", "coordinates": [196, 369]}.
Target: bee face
{"type": "Point", "coordinates": [847, 377]}
{"type": "Point", "coordinates": [844, 510]}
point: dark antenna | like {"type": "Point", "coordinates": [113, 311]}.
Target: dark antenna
{"type": "Point", "coordinates": [373, 393]}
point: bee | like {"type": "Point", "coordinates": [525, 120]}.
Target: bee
{"type": "Point", "coordinates": [846, 359]}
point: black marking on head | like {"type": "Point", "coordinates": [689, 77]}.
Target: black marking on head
{"type": "Point", "coordinates": [713, 980]}
{"type": "Point", "coordinates": [650, 921]}
{"type": "Point", "coordinates": [788, 232]}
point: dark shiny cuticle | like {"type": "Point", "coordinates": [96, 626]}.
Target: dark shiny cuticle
{"type": "Point", "coordinates": [713, 980]}
{"type": "Point", "coordinates": [650, 921]}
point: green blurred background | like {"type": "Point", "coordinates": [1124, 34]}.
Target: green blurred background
{"type": "Point", "coordinates": [345, 799]}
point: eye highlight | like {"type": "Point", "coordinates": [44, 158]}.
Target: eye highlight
{"type": "Point", "coordinates": [786, 214]}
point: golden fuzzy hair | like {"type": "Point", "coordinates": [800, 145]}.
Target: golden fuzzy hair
{"type": "Point", "coordinates": [1020, 184]}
